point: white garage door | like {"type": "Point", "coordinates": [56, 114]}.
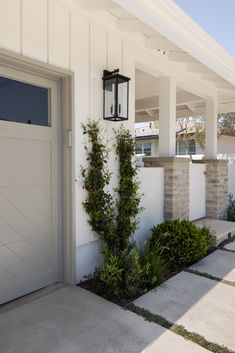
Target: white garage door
{"type": "Point", "coordinates": [29, 176]}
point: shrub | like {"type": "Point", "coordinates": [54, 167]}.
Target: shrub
{"type": "Point", "coordinates": [210, 237]}
{"type": "Point", "coordinates": [231, 208]}
{"type": "Point", "coordinates": [182, 241]}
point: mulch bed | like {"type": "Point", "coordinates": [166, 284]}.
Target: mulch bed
{"type": "Point", "coordinates": [96, 286]}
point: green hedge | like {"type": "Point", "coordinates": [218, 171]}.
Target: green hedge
{"type": "Point", "coordinates": [182, 241]}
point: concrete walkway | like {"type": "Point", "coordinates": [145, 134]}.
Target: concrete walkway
{"type": "Point", "coordinates": [68, 319]}
{"type": "Point", "coordinates": [72, 320]}
{"type": "Point", "coordinates": [223, 229]}
{"type": "Point", "coordinates": [200, 304]}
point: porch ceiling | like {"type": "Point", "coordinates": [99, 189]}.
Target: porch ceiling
{"type": "Point", "coordinates": [165, 30]}
{"type": "Point", "coordinates": [187, 104]}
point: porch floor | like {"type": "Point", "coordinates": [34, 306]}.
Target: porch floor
{"type": "Point", "coordinates": [223, 229]}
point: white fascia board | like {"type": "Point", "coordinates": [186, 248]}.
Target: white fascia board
{"type": "Point", "coordinates": [169, 20]}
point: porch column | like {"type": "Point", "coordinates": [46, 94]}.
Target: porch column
{"type": "Point", "coordinates": [167, 117]}
{"type": "Point", "coordinates": [216, 170]}
{"type": "Point", "coordinates": [211, 128]}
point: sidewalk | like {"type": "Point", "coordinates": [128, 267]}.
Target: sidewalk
{"type": "Point", "coordinates": [68, 319]}
{"type": "Point", "coordinates": [201, 300]}
{"type": "Point", "coordinates": [72, 320]}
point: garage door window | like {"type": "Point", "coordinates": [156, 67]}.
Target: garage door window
{"type": "Point", "coordinates": [22, 102]}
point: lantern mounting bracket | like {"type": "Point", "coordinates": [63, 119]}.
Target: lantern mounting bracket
{"type": "Point", "coordinates": [109, 73]}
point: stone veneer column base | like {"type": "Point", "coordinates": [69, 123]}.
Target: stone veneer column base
{"type": "Point", "coordinates": [176, 185]}
{"type": "Point", "coordinates": [216, 188]}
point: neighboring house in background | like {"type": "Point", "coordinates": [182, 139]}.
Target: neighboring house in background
{"type": "Point", "coordinates": [53, 54]}
{"type": "Point", "coordinates": [147, 143]}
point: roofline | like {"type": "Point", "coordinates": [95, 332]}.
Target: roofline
{"type": "Point", "coordinates": [171, 21]}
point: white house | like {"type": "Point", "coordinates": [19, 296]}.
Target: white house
{"type": "Point", "coordinates": [52, 57]}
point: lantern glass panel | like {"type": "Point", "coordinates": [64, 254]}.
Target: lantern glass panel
{"type": "Point", "coordinates": [122, 110]}
{"type": "Point", "coordinates": [110, 89]}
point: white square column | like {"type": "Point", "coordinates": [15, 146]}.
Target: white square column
{"type": "Point", "coordinates": [211, 128]}
{"type": "Point", "coordinates": [167, 117]}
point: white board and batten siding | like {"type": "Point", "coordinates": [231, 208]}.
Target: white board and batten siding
{"type": "Point", "coordinates": [197, 191]}
{"type": "Point", "coordinates": [53, 33]}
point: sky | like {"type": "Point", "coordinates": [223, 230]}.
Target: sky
{"type": "Point", "coordinates": [217, 17]}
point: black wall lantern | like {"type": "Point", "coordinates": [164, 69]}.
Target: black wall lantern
{"type": "Point", "coordinates": [116, 96]}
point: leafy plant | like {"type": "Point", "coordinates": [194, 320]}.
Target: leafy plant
{"type": "Point", "coordinates": [182, 241]}
{"type": "Point", "coordinates": [123, 272]}
{"type": "Point", "coordinates": [210, 236]}
{"type": "Point", "coordinates": [154, 263]}
{"type": "Point", "coordinates": [231, 208]}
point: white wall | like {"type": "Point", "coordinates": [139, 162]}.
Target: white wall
{"type": "Point", "coordinates": [152, 188]}
{"type": "Point", "coordinates": [197, 191]}
{"type": "Point", "coordinates": [231, 179]}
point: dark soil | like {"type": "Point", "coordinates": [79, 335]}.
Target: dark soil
{"type": "Point", "coordinates": [96, 286]}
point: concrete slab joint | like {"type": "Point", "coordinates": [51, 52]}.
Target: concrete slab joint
{"type": "Point", "coordinates": [176, 185]}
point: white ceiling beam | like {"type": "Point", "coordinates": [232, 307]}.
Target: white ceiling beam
{"type": "Point", "coordinates": [133, 25]}
{"type": "Point", "coordinates": [97, 5]}
{"type": "Point", "coordinates": [160, 43]}
{"type": "Point", "coordinates": [150, 113]}
{"type": "Point", "coordinates": [197, 68]}
{"type": "Point", "coordinates": [227, 107]}
{"type": "Point", "coordinates": [180, 57]}
{"type": "Point", "coordinates": [180, 113]}
{"type": "Point", "coordinates": [211, 78]}
{"type": "Point", "coordinates": [191, 107]}
{"type": "Point", "coordinates": [151, 103]}
{"type": "Point", "coordinates": [224, 85]}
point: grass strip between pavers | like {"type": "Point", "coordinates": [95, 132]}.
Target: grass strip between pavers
{"type": "Point", "coordinates": [207, 275]}
{"type": "Point", "coordinates": [178, 329]}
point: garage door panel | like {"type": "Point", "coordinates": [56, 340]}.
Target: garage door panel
{"type": "Point", "coordinates": [14, 265]}
{"type": "Point", "coordinates": [42, 245]}
{"type": "Point", "coordinates": [5, 179]}
{"type": "Point", "coordinates": [6, 277]}
{"type": "Point", "coordinates": [12, 169]}
{"type": "Point", "coordinates": [34, 161]}
{"type": "Point", "coordinates": [31, 256]}
{"type": "Point", "coordinates": [40, 198]}
{"type": "Point", "coordinates": [28, 209]}
{"type": "Point", "coordinates": [8, 235]}
{"type": "Point", "coordinates": [21, 224]}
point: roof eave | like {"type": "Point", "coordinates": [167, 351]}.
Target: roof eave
{"type": "Point", "coordinates": [168, 19]}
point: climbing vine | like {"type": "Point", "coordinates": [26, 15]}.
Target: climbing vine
{"type": "Point", "coordinates": [128, 202]}
{"type": "Point", "coordinates": [98, 204]}
{"type": "Point", "coordinates": [114, 219]}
